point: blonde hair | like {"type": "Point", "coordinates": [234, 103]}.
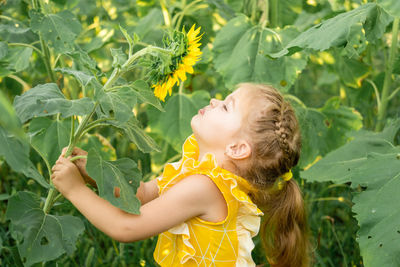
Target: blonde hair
{"type": "Point", "coordinates": [274, 135]}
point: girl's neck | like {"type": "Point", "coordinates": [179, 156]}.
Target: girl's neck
{"type": "Point", "coordinates": [220, 157]}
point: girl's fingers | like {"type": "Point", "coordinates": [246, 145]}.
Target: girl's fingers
{"type": "Point", "coordinates": [64, 150]}
{"type": "Point", "coordinates": [79, 151]}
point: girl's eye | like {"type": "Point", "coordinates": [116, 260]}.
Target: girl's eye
{"type": "Point", "coordinates": [225, 107]}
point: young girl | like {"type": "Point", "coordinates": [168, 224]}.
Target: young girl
{"type": "Point", "coordinates": [235, 168]}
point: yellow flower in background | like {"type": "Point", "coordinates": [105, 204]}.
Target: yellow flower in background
{"type": "Point", "coordinates": [191, 55]}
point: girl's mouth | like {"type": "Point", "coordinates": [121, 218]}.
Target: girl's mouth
{"type": "Point", "coordinates": [201, 111]}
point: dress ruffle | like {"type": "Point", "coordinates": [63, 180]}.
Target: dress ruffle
{"type": "Point", "coordinates": [248, 214]}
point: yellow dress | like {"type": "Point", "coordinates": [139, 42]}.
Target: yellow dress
{"type": "Point", "coordinates": [197, 242]}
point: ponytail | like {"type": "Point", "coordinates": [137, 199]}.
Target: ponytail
{"type": "Point", "coordinates": [284, 230]}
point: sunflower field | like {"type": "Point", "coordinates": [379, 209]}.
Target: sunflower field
{"type": "Point", "coordinates": [122, 79]}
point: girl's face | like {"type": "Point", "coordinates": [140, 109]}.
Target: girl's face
{"type": "Point", "coordinates": [218, 124]}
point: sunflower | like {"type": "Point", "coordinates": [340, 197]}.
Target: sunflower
{"type": "Point", "coordinates": [184, 64]}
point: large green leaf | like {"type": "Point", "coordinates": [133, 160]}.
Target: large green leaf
{"type": "Point", "coordinates": [339, 30]}
{"type": "Point", "coordinates": [135, 133]}
{"type": "Point", "coordinates": [174, 124]}
{"type": "Point", "coordinates": [122, 173]}
{"type": "Point", "coordinates": [241, 50]}
{"type": "Point", "coordinates": [47, 99]}
{"type": "Point", "coordinates": [373, 162]}
{"type": "Point", "coordinates": [40, 237]}
{"type": "Point", "coordinates": [58, 30]}
{"type": "Point", "coordinates": [119, 101]}
{"type": "Point", "coordinates": [83, 78]}
{"type": "Point", "coordinates": [391, 6]}
{"type": "Point", "coordinates": [49, 137]}
{"type": "Point", "coordinates": [16, 153]}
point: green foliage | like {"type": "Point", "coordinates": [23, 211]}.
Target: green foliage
{"type": "Point", "coordinates": [371, 161]}
{"type": "Point", "coordinates": [109, 175]}
{"type": "Point", "coordinates": [16, 153]}
{"type": "Point", "coordinates": [49, 137]}
{"type": "Point", "coordinates": [40, 236]}
{"type": "Point", "coordinates": [335, 61]}
{"type": "Point", "coordinates": [390, 6]}
{"type": "Point", "coordinates": [241, 50]}
{"type": "Point", "coordinates": [46, 100]}
{"type": "Point", "coordinates": [58, 30]}
{"type": "Point", "coordinates": [341, 30]}
{"type": "Point", "coordinates": [8, 117]}
{"type": "Point", "coordinates": [175, 122]}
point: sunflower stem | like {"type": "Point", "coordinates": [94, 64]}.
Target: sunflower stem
{"type": "Point", "coordinates": [388, 76]}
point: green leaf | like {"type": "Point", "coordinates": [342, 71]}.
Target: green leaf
{"type": "Point", "coordinates": [40, 237]}
{"type": "Point", "coordinates": [133, 130]}
{"type": "Point", "coordinates": [8, 117]}
{"type": "Point", "coordinates": [351, 71]}
{"type": "Point", "coordinates": [390, 6]}
{"type": "Point", "coordinates": [47, 99]}
{"type": "Point", "coordinates": [323, 129]}
{"type": "Point", "coordinates": [339, 30]}
{"type": "Point", "coordinates": [241, 50]}
{"type": "Point", "coordinates": [3, 49]}
{"type": "Point", "coordinates": [149, 27]}
{"type": "Point", "coordinates": [16, 153]}
{"type": "Point", "coordinates": [49, 137]}
{"type": "Point", "coordinates": [122, 173]}
{"type": "Point", "coordinates": [313, 130]}
{"type": "Point", "coordinates": [131, 41]}
{"type": "Point", "coordinates": [340, 121]}
{"type": "Point", "coordinates": [175, 123]}
{"type": "Point", "coordinates": [83, 78]}
{"type": "Point", "coordinates": [120, 101]}
{"type": "Point", "coordinates": [145, 94]}
{"type": "Point", "coordinates": [82, 58]}
{"type": "Point", "coordinates": [58, 30]}
{"type": "Point", "coordinates": [119, 57]}
{"type": "Point", "coordinates": [18, 58]}
{"type": "Point", "coordinates": [371, 161]}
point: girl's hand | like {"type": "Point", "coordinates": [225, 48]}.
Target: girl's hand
{"type": "Point", "coordinates": [81, 164]}
{"type": "Point", "coordinates": [66, 176]}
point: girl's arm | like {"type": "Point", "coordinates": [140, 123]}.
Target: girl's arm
{"type": "Point", "coordinates": [189, 198]}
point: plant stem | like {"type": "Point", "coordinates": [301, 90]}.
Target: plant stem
{"type": "Point", "coordinates": [388, 76]}
{"type": "Point", "coordinates": [50, 199]}
{"type": "Point", "coordinates": [46, 52]}
{"type": "Point", "coordinates": [378, 100]}
{"type": "Point", "coordinates": [274, 13]}
{"type": "Point", "coordinates": [253, 10]}
{"type": "Point", "coordinates": [27, 45]}
{"type": "Point", "coordinates": [78, 157]}
{"type": "Point", "coordinates": [84, 125]}
{"type": "Point", "coordinates": [394, 93]}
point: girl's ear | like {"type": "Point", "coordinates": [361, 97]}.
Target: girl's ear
{"type": "Point", "coordinates": [238, 150]}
